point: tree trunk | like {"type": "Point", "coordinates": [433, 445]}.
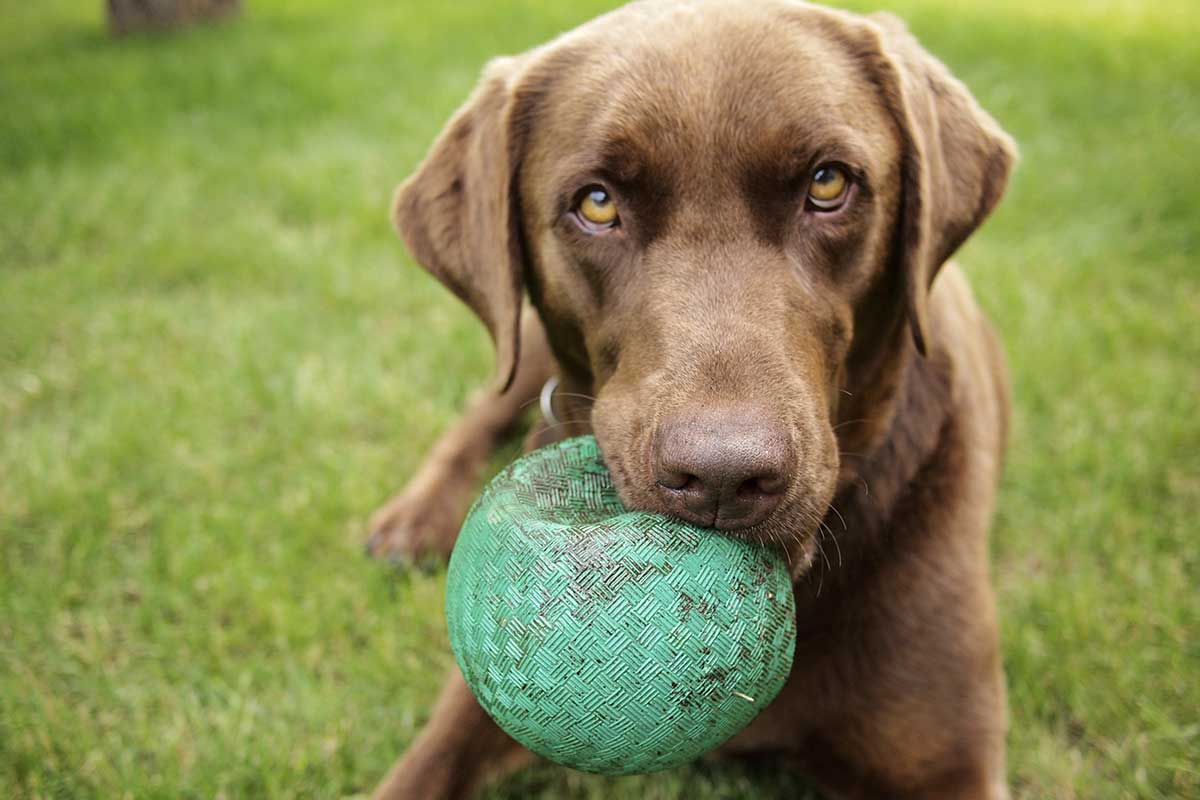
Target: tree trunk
{"type": "Point", "coordinates": [125, 16]}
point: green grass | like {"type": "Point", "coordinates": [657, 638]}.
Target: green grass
{"type": "Point", "coordinates": [215, 360]}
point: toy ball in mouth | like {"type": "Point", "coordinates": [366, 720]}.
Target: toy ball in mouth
{"type": "Point", "coordinates": [608, 640]}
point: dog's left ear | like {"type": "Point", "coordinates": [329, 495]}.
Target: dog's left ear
{"type": "Point", "coordinates": [955, 164]}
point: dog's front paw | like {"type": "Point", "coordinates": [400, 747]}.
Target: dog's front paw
{"type": "Point", "coordinates": [416, 526]}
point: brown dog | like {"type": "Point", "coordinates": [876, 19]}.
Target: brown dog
{"type": "Point", "coordinates": [729, 217]}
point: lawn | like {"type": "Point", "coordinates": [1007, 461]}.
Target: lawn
{"type": "Point", "coordinates": [216, 360]}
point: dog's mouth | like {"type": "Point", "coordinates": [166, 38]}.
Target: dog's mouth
{"type": "Point", "coordinates": [736, 465]}
{"type": "Point", "coordinates": [738, 508]}
{"type": "Point", "coordinates": [793, 529]}
{"type": "Point", "coordinates": [794, 524]}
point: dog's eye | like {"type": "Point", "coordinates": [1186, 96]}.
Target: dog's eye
{"type": "Point", "coordinates": [597, 209]}
{"type": "Point", "coordinates": [828, 187]}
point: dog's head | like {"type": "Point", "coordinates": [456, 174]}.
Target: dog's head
{"type": "Point", "coordinates": [725, 214]}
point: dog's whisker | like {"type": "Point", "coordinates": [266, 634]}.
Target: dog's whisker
{"type": "Point", "coordinates": [821, 574]}
{"type": "Point", "coordinates": [836, 543]}
{"type": "Point", "coordinates": [575, 394]}
{"type": "Point", "coordinates": [850, 422]}
{"type": "Point", "coordinates": [824, 556]}
{"type": "Point", "coordinates": [787, 553]}
{"type": "Point", "coordinates": [833, 508]}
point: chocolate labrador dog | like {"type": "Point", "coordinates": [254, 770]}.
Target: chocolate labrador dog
{"type": "Point", "coordinates": [728, 218]}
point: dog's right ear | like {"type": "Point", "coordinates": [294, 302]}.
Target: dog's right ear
{"type": "Point", "coordinates": [459, 213]}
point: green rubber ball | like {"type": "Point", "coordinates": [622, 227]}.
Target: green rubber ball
{"type": "Point", "coordinates": [607, 640]}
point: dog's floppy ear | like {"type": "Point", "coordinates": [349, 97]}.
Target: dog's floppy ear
{"type": "Point", "coordinates": [955, 163]}
{"type": "Point", "coordinates": [459, 213]}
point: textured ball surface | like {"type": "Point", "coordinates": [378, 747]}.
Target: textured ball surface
{"type": "Point", "coordinates": [606, 640]}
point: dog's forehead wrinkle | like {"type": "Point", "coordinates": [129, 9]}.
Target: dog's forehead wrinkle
{"type": "Point", "coordinates": [705, 86]}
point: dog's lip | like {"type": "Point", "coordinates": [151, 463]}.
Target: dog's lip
{"type": "Point", "coordinates": [718, 524]}
{"type": "Point", "coordinates": [700, 521]}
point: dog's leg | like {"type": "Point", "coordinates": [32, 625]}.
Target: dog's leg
{"type": "Point", "coordinates": [892, 695]}
{"type": "Point", "coordinates": [460, 748]}
{"type": "Point", "coordinates": [424, 518]}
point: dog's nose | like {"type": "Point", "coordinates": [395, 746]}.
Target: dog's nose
{"type": "Point", "coordinates": [724, 469]}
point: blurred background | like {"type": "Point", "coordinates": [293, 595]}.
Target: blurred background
{"type": "Point", "coordinates": [216, 359]}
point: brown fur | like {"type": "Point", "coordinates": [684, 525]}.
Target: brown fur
{"type": "Point", "coordinates": [719, 290]}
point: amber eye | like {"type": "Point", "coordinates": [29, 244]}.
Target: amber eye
{"type": "Point", "coordinates": [597, 208]}
{"type": "Point", "coordinates": [828, 187]}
